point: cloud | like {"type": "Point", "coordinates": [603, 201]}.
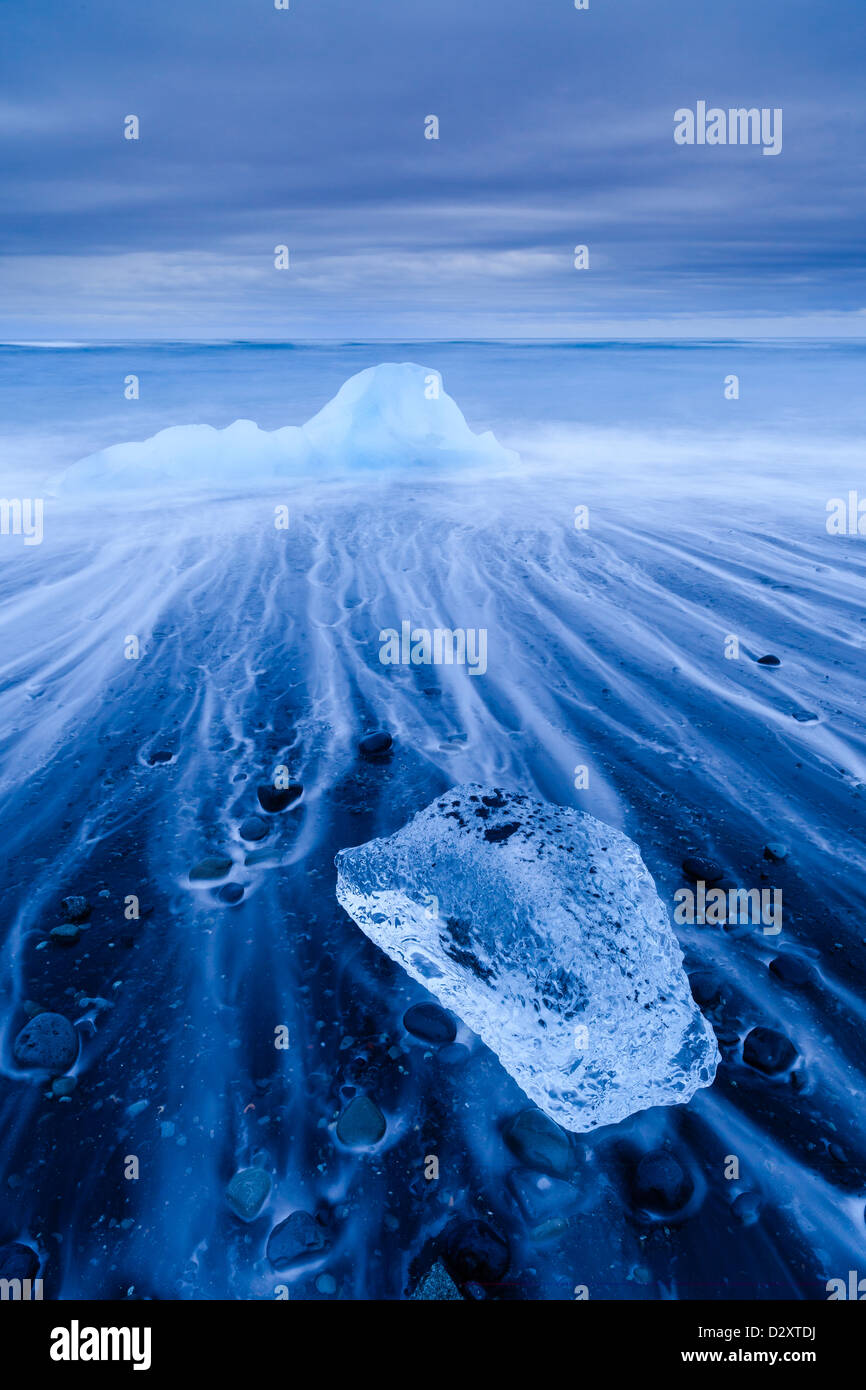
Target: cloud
{"type": "Point", "coordinates": [306, 127]}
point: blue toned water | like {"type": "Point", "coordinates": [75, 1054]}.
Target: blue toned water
{"type": "Point", "coordinates": [59, 404]}
{"type": "Point", "coordinates": [260, 648]}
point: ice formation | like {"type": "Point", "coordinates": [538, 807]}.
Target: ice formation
{"type": "Point", "coordinates": [541, 928]}
{"type": "Point", "coordinates": [395, 414]}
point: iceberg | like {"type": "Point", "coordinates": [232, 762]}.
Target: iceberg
{"type": "Point", "coordinates": [396, 414]}
{"type": "Point", "coordinates": [541, 928]}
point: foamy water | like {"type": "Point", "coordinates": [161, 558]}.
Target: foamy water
{"type": "Point", "coordinates": [260, 649]}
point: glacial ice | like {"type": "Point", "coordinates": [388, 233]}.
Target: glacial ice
{"type": "Point", "coordinates": [394, 414]}
{"type": "Point", "coordinates": [541, 928]}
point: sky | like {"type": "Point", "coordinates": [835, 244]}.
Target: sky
{"type": "Point", "coordinates": [306, 128]}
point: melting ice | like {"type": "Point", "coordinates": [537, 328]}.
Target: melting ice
{"type": "Point", "coordinates": [541, 928]}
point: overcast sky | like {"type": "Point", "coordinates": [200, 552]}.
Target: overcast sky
{"type": "Point", "coordinates": [262, 127]}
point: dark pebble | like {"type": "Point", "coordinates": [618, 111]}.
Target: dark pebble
{"type": "Point", "coordinates": [247, 1193]}
{"type": "Point", "coordinates": [18, 1261]}
{"type": "Point", "coordinates": [473, 1250]}
{"type": "Point", "coordinates": [429, 1022]}
{"type": "Point", "coordinates": [769, 661]}
{"type": "Point", "coordinates": [253, 828]}
{"type": "Point", "coordinates": [701, 870]}
{"type": "Point", "coordinates": [49, 1041]}
{"type": "Point", "coordinates": [661, 1183]}
{"type": "Point", "coordinates": [361, 1123]}
{"type": "Point", "coordinates": [768, 1051]}
{"type": "Point", "coordinates": [747, 1208]}
{"type": "Point", "coordinates": [65, 935]}
{"type": "Point", "coordinates": [75, 909]}
{"type": "Point", "coordinates": [213, 867]}
{"type": "Point", "coordinates": [273, 799]}
{"type": "Point", "coordinates": [792, 970]}
{"type": "Point", "coordinates": [706, 986]}
{"type": "Point", "coordinates": [776, 852]}
{"type": "Point", "coordinates": [231, 893]}
{"type": "Point", "coordinates": [297, 1238]}
{"type": "Point", "coordinates": [539, 1143]}
{"type": "Point", "coordinates": [375, 745]}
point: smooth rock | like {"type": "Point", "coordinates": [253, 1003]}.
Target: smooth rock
{"type": "Point", "coordinates": [776, 851]}
{"type": "Point", "coordinates": [230, 893]}
{"type": "Point", "coordinates": [706, 986]}
{"type": "Point", "coordinates": [247, 1192]}
{"type": "Point", "coordinates": [361, 1123]}
{"type": "Point", "coordinates": [48, 1041]}
{"type": "Point", "coordinates": [213, 867]}
{"type": "Point", "coordinates": [539, 1143]}
{"type": "Point", "coordinates": [298, 1238]}
{"type": "Point", "coordinates": [661, 1183]}
{"type": "Point", "coordinates": [65, 935]}
{"type": "Point", "coordinates": [376, 745]}
{"type": "Point", "coordinates": [768, 1051]}
{"type": "Point", "coordinates": [701, 870]}
{"type": "Point", "coordinates": [430, 1022]}
{"type": "Point", "coordinates": [792, 970]}
{"type": "Point", "coordinates": [253, 828]}
{"type": "Point", "coordinates": [769, 660]}
{"type": "Point", "coordinates": [18, 1261]}
{"type": "Point", "coordinates": [747, 1208]}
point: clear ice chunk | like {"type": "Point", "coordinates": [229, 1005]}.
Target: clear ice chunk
{"type": "Point", "coordinates": [541, 928]}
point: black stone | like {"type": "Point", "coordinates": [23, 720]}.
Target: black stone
{"type": "Point", "coordinates": [376, 745]}
{"type": "Point", "coordinates": [701, 870]}
{"type": "Point", "coordinates": [253, 828]}
{"type": "Point", "coordinates": [361, 1123]}
{"type": "Point", "coordinates": [539, 1143]}
{"type": "Point", "coordinates": [792, 970]}
{"type": "Point", "coordinates": [65, 935]}
{"type": "Point", "coordinates": [160, 755]}
{"type": "Point", "coordinates": [18, 1261]}
{"type": "Point", "coordinates": [429, 1022]}
{"type": "Point", "coordinates": [298, 1238]}
{"type": "Point", "coordinates": [706, 986]}
{"type": "Point", "coordinates": [768, 1051]}
{"type": "Point", "coordinates": [213, 867]}
{"type": "Point", "coordinates": [473, 1250]}
{"type": "Point", "coordinates": [231, 893]}
{"type": "Point", "coordinates": [747, 1208]}
{"type": "Point", "coordinates": [661, 1183]}
{"type": "Point", "coordinates": [769, 661]}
